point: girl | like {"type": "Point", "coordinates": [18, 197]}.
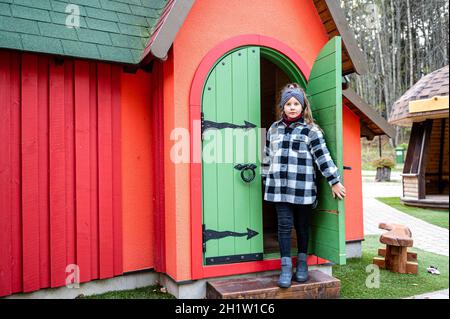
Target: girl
{"type": "Point", "coordinates": [293, 143]}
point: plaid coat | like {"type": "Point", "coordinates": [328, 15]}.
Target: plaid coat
{"type": "Point", "coordinates": [288, 163]}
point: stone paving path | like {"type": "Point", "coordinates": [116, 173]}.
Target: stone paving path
{"type": "Point", "coordinates": [440, 294]}
{"type": "Point", "coordinates": [425, 235]}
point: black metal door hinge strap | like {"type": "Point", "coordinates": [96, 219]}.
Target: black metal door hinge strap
{"type": "Point", "coordinates": [207, 124]}
{"type": "Point", "coordinates": [214, 234]}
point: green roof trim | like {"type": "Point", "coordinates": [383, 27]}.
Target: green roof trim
{"type": "Point", "coordinates": [110, 30]}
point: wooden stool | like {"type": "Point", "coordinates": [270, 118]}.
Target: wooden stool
{"type": "Point", "coordinates": [395, 256]}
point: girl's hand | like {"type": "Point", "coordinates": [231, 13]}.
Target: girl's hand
{"type": "Point", "coordinates": [338, 190]}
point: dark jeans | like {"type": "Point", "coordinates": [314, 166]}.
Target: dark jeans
{"type": "Point", "coordinates": [290, 215]}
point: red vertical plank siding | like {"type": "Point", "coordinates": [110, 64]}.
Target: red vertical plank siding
{"type": "Point", "coordinates": [16, 169]}
{"type": "Point", "coordinates": [105, 171]}
{"type": "Point", "coordinates": [60, 171]}
{"type": "Point", "coordinates": [5, 178]}
{"type": "Point", "coordinates": [44, 254]}
{"type": "Point", "coordinates": [30, 173]}
{"type": "Point", "coordinates": [116, 169]}
{"type": "Point", "coordinates": [70, 161]}
{"type": "Point", "coordinates": [57, 175]}
{"type": "Point", "coordinates": [82, 169]}
{"type": "Point", "coordinates": [10, 174]}
{"type": "Point", "coordinates": [93, 156]}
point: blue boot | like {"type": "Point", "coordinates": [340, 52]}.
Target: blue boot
{"type": "Point", "coordinates": [301, 273]}
{"type": "Point", "coordinates": [286, 272]}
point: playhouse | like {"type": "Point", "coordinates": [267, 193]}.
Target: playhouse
{"type": "Point", "coordinates": [90, 115]}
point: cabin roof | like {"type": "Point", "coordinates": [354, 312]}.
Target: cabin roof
{"type": "Point", "coordinates": [110, 30]}
{"type": "Point", "coordinates": [372, 123]}
{"type": "Point", "coordinates": [434, 84]}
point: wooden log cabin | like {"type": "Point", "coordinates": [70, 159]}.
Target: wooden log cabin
{"type": "Point", "coordinates": [424, 106]}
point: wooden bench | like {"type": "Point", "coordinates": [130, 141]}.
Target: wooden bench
{"type": "Point", "coordinates": [395, 256]}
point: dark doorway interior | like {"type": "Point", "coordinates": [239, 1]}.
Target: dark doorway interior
{"type": "Point", "coordinates": [272, 80]}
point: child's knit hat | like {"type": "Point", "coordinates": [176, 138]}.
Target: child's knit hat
{"type": "Point", "coordinates": [291, 92]}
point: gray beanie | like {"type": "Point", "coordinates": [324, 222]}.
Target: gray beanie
{"type": "Point", "coordinates": [291, 92]}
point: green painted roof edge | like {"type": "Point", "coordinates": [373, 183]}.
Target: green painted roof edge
{"type": "Point", "coordinates": [109, 30]}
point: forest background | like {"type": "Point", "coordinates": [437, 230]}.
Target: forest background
{"type": "Point", "coordinates": [403, 40]}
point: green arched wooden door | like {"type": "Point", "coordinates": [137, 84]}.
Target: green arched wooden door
{"type": "Point", "coordinates": [232, 219]}
{"type": "Point", "coordinates": [232, 208]}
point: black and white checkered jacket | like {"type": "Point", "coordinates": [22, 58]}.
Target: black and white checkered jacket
{"type": "Point", "coordinates": [287, 164]}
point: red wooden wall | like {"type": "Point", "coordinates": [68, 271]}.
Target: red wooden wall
{"type": "Point", "coordinates": [60, 171]}
{"type": "Point", "coordinates": [143, 170]}
{"type": "Point", "coordinates": [354, 228]}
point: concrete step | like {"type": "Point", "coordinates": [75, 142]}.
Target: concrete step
{"type": "Point", "coordinates": [318, 286]}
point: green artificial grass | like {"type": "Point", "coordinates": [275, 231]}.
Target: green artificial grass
{"type": "Point", "coordinates": [353, 275]}
{"type": "Point", "coordinates": [149, 292]}
{"type": "Point", "coordinates": [433, 216]}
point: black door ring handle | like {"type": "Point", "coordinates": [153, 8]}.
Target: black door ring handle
{"type": "Point", "coordinates": [248, 179]}
{"type": "Point", "coordinates": [243, 168]}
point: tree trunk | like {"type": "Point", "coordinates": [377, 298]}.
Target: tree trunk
{"type": "Point", "coordinates": [393, 51]}
{"type": "Point", "coordinates": [411, 53]}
